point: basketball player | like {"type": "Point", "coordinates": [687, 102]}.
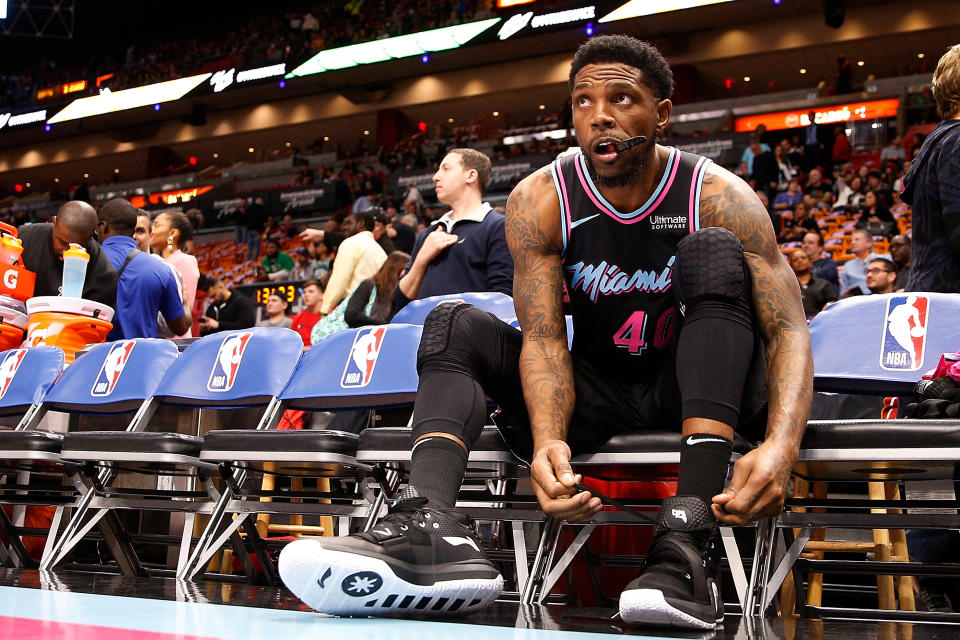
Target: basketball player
{"type": "Point", "coordinates": [681, 303]}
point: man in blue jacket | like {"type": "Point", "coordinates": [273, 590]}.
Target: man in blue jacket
{"type": "Point", "coordinates": [466, 249]}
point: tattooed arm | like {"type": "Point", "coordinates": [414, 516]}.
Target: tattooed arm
{"type": "Point", "coordinates": [546, 368]}
{"type": "Point", "coordinates": [759, 484]}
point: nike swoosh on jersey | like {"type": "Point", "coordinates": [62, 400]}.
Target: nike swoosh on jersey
{"type": "Point", "coordinates": [692, 440]}
{"type": "Point", "coordinates": [457, 541]}
{"type": "Point", "coordinates": [574, 225]}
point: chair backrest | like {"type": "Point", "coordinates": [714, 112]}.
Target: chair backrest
{"type": "Point", "coordinates": [365, 368]}
{"type": "Point", "coordinates": [112, 378]}
{"type": "Point", "coordinates": [494, 302]}
{"type": "Point", "coordinates": [232, 369]}
{"type": "Point", "coordinates": [25, 377]}
{"type": "Point", "coordinates": [882, 344]}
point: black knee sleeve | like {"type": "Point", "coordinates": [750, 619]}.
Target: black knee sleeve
{"type": "Point", "coordinates": [450, 398]}
{"type": "Point", "coordinates": [717, 337]}
{"type": "Point", "coordinates": [710, 266]}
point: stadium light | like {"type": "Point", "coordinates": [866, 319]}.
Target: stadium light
{"type": "Point", "coordinates": [639, 8]}
{"type": "Point", "coordinates": [110, 101]}
{"type": "Point", "coordinates": [414, 44]}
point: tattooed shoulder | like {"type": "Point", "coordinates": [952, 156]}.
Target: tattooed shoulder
{"type": "Point", "coordinates": [533, 214]}
{"type": "Point", "coordinates": [727, 201]}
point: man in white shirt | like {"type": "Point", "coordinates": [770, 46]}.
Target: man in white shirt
{"type": "Point", "coordinates": [358, 259]}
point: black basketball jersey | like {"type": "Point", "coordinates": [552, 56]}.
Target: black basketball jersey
{"type": "Point", "coordinates": [618, 266]}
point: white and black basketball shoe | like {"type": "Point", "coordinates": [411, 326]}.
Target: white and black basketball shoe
{"type": "Point", "coordinates": [417, 560]}
{"type": "Point", "coordinates": [679, 583]}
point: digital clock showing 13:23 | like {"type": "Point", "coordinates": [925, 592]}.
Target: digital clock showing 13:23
{"type": "Point", "coordinates": [287, 292]}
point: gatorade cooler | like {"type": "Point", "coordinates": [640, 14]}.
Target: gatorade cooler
{"type": "Point", "coordinates": [68, 323]}
{"type": "Point", "coordinates": [13, 319]}
{"type": "Point", "coordinates": [15, 281]}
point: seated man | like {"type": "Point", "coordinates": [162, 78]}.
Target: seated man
{"type": "Point", "coordinates": [823, 264]}
{"type": "Point", "coordinates": [816, 291]}
{"type": "Point", "coordinates": [44, 244]}
{"type": "Point", "coordinates": [658, 282]}
{"type": "Point", "coordinates": [276, 264]}
{"type": "Point", "coordinates": [881, 275]}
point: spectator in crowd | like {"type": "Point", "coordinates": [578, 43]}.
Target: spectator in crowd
{"type": "Point", "coordinates": [822, 263]}
{"type": "Point", "coordinates": [304, 267]}
{"type": "Point", "coordinates": [366, 201]}
{"type": "Point", "coordinates": [785, 172]}
{"type": "Point", "coordinates": [358, 258]}
{"type": "Point", "coordinates": [466, 249]}
{"type": "Point", "coordinates": [750, 152]}
{"type": "Point", "coordinates": [380, 222]}
{"type": "Point", "coordinates": [145, 284]}
{"type": "Point", "coordinates": [816, 185]}
{"type": "Point", "coordinates": [933, 190]}
{"type": "Point", "coordinates": [276, 264]}
{"type": "Point", "coordinates": [812, 143]}
{"type": "Point", "coordinates": [44, 244]}
{"type": "Point", "coordinates": [853, 280]}
{"type": "Point", "coordinates": [372, 301]}
{"type": "Point", "coordinates": [142, 233]}
{"type": "Point", "coordinates": [255, 217]}
{"type": "Point", "coordinates": [402, 233]}
{"type": "Point", "coordinates": [850, 194]}
{"type": "Point", "coordinates": [881, 275]}
{"type": "Point", "coordinates": [793, 230]}
{"type": "Point", "coordinates": [276, 310]}
{"type": "Point", "coordinates": [844, 76]}
{"type": "Point", "coordinates": [239, 219]}
{"type": "Point", "coordinates": [227, 311]}
{"type": "Point", "coordinates": [171, 231]}
{"type": "Point", "coordinates": [765, 171]}
{"type": "Point", "coordinates": [875, 215]}
{"type": "Point", "coordinates": [195, 217]}
{"type": "Point", "coordinates": [876, 183]}
{"type": "Point", "coordinates": [413, 197]}
{"type": "Point", "coordinates": [894, 152]}
{"type": "Point", "coordinates": [931, 187]}
{"type": "Point", "coordinates": [900, 252]}
{"type": "Point", "coordinates": [816, 292]}
{"type": "Point", "coordinates": [312, 297]}
{"type": "Point", "coordinates": [788, 199]}
{"type": "Point", "coordinates": [842, 151]}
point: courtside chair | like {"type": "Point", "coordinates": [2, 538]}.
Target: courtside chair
{"type": "Point", "coordinates": [416, 311]}
{"type": "Point", "coordinates": [115, 378]}
{"type": "Point", "coordinates": [25, 377]}
{"type": "Point", "coordinates": [225, 370]}
{"type": "Point", "coordinates": [355, 369]}
{"type": "Point", "coordinates": [878, 345]}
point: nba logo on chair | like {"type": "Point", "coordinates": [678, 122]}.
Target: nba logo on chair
{"type": "Point", "coordinates": [227, 363]}
{"type": "Point", "coordinates": [363, 358]}
{"type": "Point", "coordinates": [904, 333]}
{"type": "Point", "coordinates": [112, 367]}
{"type": "Point", "coordinates": [8, 369]}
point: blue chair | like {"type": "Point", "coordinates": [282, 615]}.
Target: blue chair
{"type": "Point", "coordinates": [25, 377]}
{"type": "Point", "coordinates": [877, 345]}
{"type": "Point", "coordinates": [358, 369]}
{"type": "Point", "coordinates": [416, 311]}
{"type": "Point", "coordinates": [226, 370]}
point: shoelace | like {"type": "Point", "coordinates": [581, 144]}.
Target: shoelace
{"type": "Point", "coordinates": [648, 517]}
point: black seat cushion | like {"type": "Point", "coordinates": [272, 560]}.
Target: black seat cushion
{"type": "Point", "coordinates": [131, 442]}
{"type": "Point", "coordinates": [877, 434]}
{"type": "Point", "coordinates": [225, 440]}
{"type": "Point", "coordinates": [399, 439]}
{"type": "Point", "coordinates": [657, 442]}
{"type": "Point", "coordinates": [32, 441]}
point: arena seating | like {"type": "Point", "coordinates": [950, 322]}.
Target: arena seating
{"type": "Point", "coordinates": [870, 361]}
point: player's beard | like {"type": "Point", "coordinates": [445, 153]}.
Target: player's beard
{"type": "Point", "coordinates": [629, 174]}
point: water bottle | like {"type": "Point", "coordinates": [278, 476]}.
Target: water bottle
{"type": "Point", "coordinates": [75, 261]}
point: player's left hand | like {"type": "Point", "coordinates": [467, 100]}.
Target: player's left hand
{"type": "Point", "coordinates": [758, 487]}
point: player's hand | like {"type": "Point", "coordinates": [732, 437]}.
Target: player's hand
{"type": "Point", "coordinates": [758, 487]}
{"type": "Point", "coordinates": [311, 235]}
{"type": "Point", "coordinates": [436, 242]}
{"type": "Point", "coordinates": [554, 480]}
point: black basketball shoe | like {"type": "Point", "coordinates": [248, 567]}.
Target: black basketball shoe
{"type": "Point", "coordinates": [416, 560]}
{"type": "Point", "coordinates": [679, 583]}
